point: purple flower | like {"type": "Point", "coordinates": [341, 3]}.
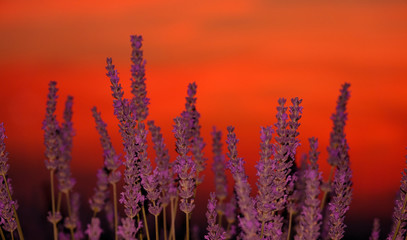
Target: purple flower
{"type": "Point", "coordinates": [376, 230]}
{"type": "Point", "coordinates": [215, 232]}
{"type": "Point", "coordinates": [7, 217]}
{"type": "Point", "coordinates": [128, 230]}
{"type": "Point", "coordinates": [4, 167]}
{"type": "Point", "coordinates": [218, 167]}
{"type": "Point", "coordinates": [99, 198]}
{"type": "Point", "coordinates": [399, 214]}
{"type": "Point", "coordinates": [310, 218]}
{"type": "Point", "coordinates": [191, 115]}
{"type": "Point", "coordinates": [342, 194]}
{"type": "Point", "coordinates": [51, 129]}
{"type": "Point", "coordinates": [65, 181]}
{"type": "Point", "coordinates": [73, 221]}
{"type": "Point", "coordinates": [163, 164]}
{"type": "Point", "coordinates": [93, 230]}
{"type": "Point", "coordinates": [184, 167]}
{"type": "Point", "coordinates": [138, 85]}
{"type": "Point", "coordinates": [124, 112]}
{"type": "Point", "coordinates": [265, 168]}
{"type": "Point", "coordinates": [248, 222]}
{"type": "Point", "coordinates": [111, 159]}
{"type": "Point", "coordinates": [339, 120]}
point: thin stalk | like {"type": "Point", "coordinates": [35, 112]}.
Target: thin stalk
{"type": "Point", "coordinates": [173, 214]}
{"type": "Point", "coordinates": [156, 227]}
{"type": "Point", "coordinates": [290, 222]}
{"type": "Point", "coordinates": [20, 231]}
{"type": "Point", "coordinates": [187, 231]}
{"type": "Point", "coordinates": [145, 222]}
{"type": "Point", "coordinates": [59, 201]}
{"type": "Point", "coordinates": [262, 229]}
{"type": "Point", "coordinates": [68, 204]}
{"type": "Point", "coordinates": [326, 192]}
{"type": "Point", "coordinates": [2, 234]}
{"type": "Point", "coordinates": [140, 234]}
{"type": "Point", "coordinates": [399, 221]}
{"type": "Point", "coordinates": [53, 204]}
{"type": "Point", "coordinates": [165, 222]}
{"type": "Point", "coordinates": [12, 235]}
{"type": "Point", "coordinates": [220, 215]}
{"type": "Point", "coordinates": [116, 218]}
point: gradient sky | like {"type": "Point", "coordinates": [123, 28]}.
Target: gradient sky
{"type": "Point", "coordinates": [243, 55]}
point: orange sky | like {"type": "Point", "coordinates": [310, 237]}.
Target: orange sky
{"type": "Point", "coordinates": [243, 55]}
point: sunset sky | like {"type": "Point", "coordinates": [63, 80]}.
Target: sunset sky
{"type": "Point", "coordinates": [243, 55]}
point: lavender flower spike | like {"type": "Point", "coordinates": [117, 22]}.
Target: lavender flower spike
{"type": "Point", "coordinates": [138, 84]}
{"type": "Point", "coordinates": [339, 120]}
{"type": "Point", "coordinates": [111, 159]}
{"type": "Point", "coordinates": [376, 230]}
{"type": "Point", "coordinates": [215, 232]}
{"type": "Point", "coordinates": [194, 131]}
{"type": "Point", "coordinates": [94, 231]}
{"type": "Point", "coordinates": [265, 168]}
{"type": "Point", "coordinates": [342, 194]}
{"type": "Point", "coordinates": [66, 182]}
{"type": "Point", "coordinates": [218, 167]}
{"type": "Point", "coordinates": [399, 214]}
{"type": "Point", "coordinates": [248, 222]}
{"type": "Point", "coordinates": [310, 218]}
{"type": "Point", "coordinates": [185, 167]}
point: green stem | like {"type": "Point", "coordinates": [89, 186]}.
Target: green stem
{"type": "Point", "coordinates": [116, 218]}
{"type": "Point", "coordinates": [165, 222]}
{"type": "Point", "coordinates": [20, 231]}
{"type": "Point", "coordinates": [68, 204]}
{"type": "Point", "coordinates": [262, 229]}
{"type": "Point", "coordinates": [156, 227]}
{"type": "Point", "coordinates": [187, 231]}
{"type": "Point", "coordinates": [145, 222]}
{"type": "Point", "coordinates": [59, 201]}
{"type": "Point", "coordinates": [290, 221]}
{"type": "Point", "coordinates": [53, 204]}
{"type": "Point", "coordinates": [140, 234]}
{"type": "Point", "coordinates": [2, 234]}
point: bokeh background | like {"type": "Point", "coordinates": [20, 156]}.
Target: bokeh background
{"type": "Point", "coordinates": [243, 55]}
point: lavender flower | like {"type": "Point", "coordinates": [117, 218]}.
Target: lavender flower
{"type": "Point", "coordinates": [100, 196]}
{"type": "Point", "coordinates": [310, 219]}
{"type": "Point", "coordinates": [184, 167]}
{"type": "Point", "coordinates": [123, 110]}
{"type": "Point", "coordinates": [111, 159]}
{"type": "Point", "coordinates": [4, 167]}
{"type": "Point", "coordinates": [73, 221]}
{"type": "Point", "coordinates": [194, 131]}
{"type": "Point", "coordinates": [342, 194]}
{"type": "Point", "coordinates": [248, 222]}
{"type": "Point", "coordinates": [376, 230]}
{"type": "Point", "coordinates": [66, 182]}
{"type": "Point", "coordinates": [7, 217]}
{"type": "Point", "coordinates": [140, 101]}
{"type": "Point", "coordinates": [128, 230]}
{"type": "Point", "coordinates": [93, 230]}
{"type": "Point", "coordinates": [218, 167]}
{"type": "Point", "coordinates": [339, 120]}
{"type": "Point", "coordinates": [51, 128]}
{"type": "Point", "coordinates": [215, 232]}
{"type": "Point", "coordinates": [163, 164]}
{"type": "Point", "coordinates": [399, 214]}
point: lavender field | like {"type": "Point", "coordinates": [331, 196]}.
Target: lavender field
{"type": "Point", "coordinates": [142, 196]}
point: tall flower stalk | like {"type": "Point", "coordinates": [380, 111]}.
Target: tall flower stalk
{"type": "Point", "coordinates": [310, 218]}
{"type": "Point", "coordinates": [336, 136]}
{"type": "Point", "coordinates": [131, 198]}
{"type": "Point", "coordinates": [52, 151]}
{"type": "Point", "coordinates": [248, 222]}
{"type": "Point", "coordinates": [185, 168]}
{"type": "Point", "coordinates": [8, 206]}
{"type": "Point", "coordinates": [219, 167]}
{"type": "Point", "coordinates": [109, 174]}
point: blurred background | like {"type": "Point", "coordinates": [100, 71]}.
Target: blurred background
{"type": "Point", "coordinates": [243, 55]}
